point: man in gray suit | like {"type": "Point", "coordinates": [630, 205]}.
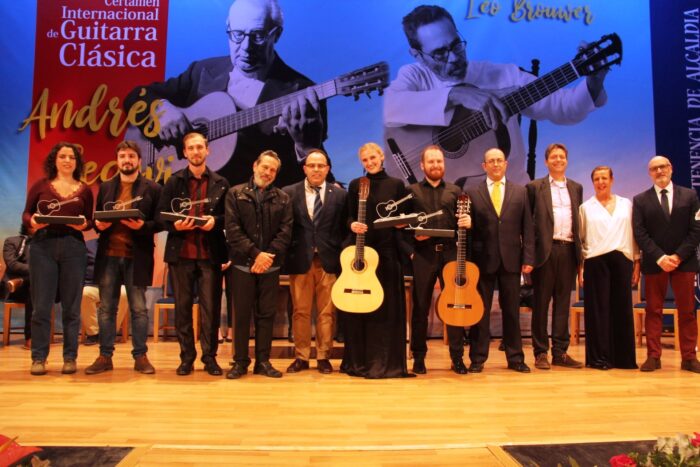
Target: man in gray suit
{"type": "Point", "coordinates": [503, 247]}
{"type": "Point", "coordinates": [313, 259]}
{"type": "Point", "coordinates": [554, 201]}
{"type": "Point", "coordinates": [666, 221]}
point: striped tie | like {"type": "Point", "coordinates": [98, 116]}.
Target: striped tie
{"type": "Point", "coordinates": [317, 204]}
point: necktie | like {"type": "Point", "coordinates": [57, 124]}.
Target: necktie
{"type": "Point", "coordinates": [664, 203]}
{"type": "Point", "coordinates": [496, 197]}
{"type": "Point", "coordinates": [317, 203]}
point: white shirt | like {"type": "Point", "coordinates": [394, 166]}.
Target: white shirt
{"type": "Point", "coordinates": [669, 195]}
{"type": "Point", "coordinates": [244, 91]}
{"type": "Point", "coordinates": [311, 196]}
{"type": "Point", "coordinates": [602, 232]}
{"type": "Point", "coordinates": [561, 209]}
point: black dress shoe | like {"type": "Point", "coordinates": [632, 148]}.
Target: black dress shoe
{"type": "Point", "coordinates": [266, 369]}
{"type": "Point", "coordinates": [520, 367]}
{"type": "Point", "coordinates": [297, 365]}
{"type": "Point", "coordinates": [476, 367]}
{"type": "Point", "coordinates": [184, 369]}
{"type": "Point", "coordinates": [691, 365]}
{"type": "Point", "coordinates": [237, 371]}
{"type": "Point", "coordinates": [213, 368]}
{"type": "Point", "coordinates": [599, 365]}
{"type": "Point", "coordinates": [459, 367]}
{"type": "Point", "coordinates": [419, 365]}
{"type": "Point", "coordinates": [324, 366]}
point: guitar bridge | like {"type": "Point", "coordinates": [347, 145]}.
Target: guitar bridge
{"type": "Point", "coordinates": [357, 291]}
{"type": "Point", "coordinates": [459, 306]}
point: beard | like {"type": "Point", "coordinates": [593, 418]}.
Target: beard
{"type": "Point", "coordinates": [435, 175]}
{"type": "Point", "coordinates": [129, 170]}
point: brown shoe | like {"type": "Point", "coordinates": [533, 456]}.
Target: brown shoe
{"type": "Point", "coordinates": [651, 364]}
{"type": "Point", "coordinates": [541, 362]}
{"type": "Point", "coordinates": [142, 365]}
{"type": "Point", "coordinates": [100, 365]}
{"type": "Point", "coordinates": [38, 367]}
{"type": "Point", "coordinates": [566, 361]}
{"type": "Point", "coordinates": [69, 366]}
{"type": "Point", "coordinates": [691, 365]}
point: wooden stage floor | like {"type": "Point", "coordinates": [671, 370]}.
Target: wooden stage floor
{"type": "Point", "coordinates": [308, 418]}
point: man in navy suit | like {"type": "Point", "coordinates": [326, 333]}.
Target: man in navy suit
{"type": "Point", "coordinates": [503, 248]}
{"type": "Point", "coordinates": [554, 200]}
{"type": "Point", "coordinates": [666, 221]}
{"type": "Point", "coordinates": [313, 260]}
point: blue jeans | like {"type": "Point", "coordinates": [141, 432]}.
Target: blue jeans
{"type": "Point", "coordinates": [56, 264]}
{"type": "Point", "coordinates": [118, 271]}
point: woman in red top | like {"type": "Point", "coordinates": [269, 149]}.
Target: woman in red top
{"type": "Point", "coordinates": [58, 255]}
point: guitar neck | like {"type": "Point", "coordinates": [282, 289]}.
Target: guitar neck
{"type": "Point", "coordinates": [519, 100]}
{"type": "Point", "coordinates": [224, 126]}
{"type": "Point", "coordinates": [461, 251]}
{"type": "Point", "coordinates": [360, 239]}
{"type": "Point", "coordinates": [542, 87]}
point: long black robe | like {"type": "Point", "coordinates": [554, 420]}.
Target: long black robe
{"type": "Point", "coordinates": [375, 343]}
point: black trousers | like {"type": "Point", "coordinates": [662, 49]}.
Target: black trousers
{"type": "Point", "coordinates": [509, 300]}
{"type": "Point", "coordinates": [607, 313]}
{"type": "Point", "coordinates": [254, 295]}
{"type": "Point", "coordinates": [427, 268]}
{"type": "Point", "coordinates": [187, 274]}
{"type": "Point", "coordinates": [553, 281]}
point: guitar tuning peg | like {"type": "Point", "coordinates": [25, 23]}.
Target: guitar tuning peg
{"type": "Point", "coordinates": [368, 94]}
{"type": "Point", "coordinates": [380, 92]}
{"type": "Point", "coordinates": [356, 96]}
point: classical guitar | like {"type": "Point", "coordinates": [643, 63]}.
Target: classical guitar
{"type": "Point", "coordinates": [468, 131]}
{"type": "Point", "coordinates": [216, 116]}
{"type": "Point", "coordinates": [357, 289]}
{"type": "Point", "coordinates": [459, 303]}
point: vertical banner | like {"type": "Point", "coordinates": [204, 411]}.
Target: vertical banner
{"type": "Point", "coordinates": [89, 55]}
{"type": "Point", "coordinates": [675, 47]}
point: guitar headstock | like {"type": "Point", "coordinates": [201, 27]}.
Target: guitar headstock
{"type": "Point", "coordinates": [364, 188]}
{"type": "Point", "coordinates": [598, 55]}
{"type": "Point", "coordinates": [464, 205]}
{"type": "Point", "coordinates": [364, 81]}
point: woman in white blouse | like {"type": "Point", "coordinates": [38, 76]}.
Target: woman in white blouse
{"type": "Point", "coordinates": [611, 267]}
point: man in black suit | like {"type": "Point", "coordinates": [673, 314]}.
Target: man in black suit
{"type": "Point", "coordinates": [554, 201]}
{"type": "Point", "coordinates": [666, 221]}
{"type": "Point", "coordinates": [125, 257]}
{"type": "Point", "coordinates": [313, 259]}
{"type": "Point", "coordinates": [503, 247]}
{"type": "Point", "coordinates": [252, 73]}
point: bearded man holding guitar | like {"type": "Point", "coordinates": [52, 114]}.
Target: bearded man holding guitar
{"type": "Point", "coordinates": [375, 338]}
{"type": "Point", "coordinates": [468, 107]}
{"type": "Point", "coordinates": [430, 254]}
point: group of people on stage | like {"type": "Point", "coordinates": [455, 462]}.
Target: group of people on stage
{"type": "Point", "coordinates": [258, 231]}
{"type": "Point", "coordinates": [254, 231]}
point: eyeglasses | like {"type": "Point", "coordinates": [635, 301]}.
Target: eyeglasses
{"type": "Point", "coordinates": [256, 36]}
{"type": "Point", "coordinates": [495, 162]}
{"type": "Point", "coordinates": [316, 166]}
{"type": "Point", "coordinates": [443, 54]}
{"type": "Point", "coordinates": [656, 168]}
